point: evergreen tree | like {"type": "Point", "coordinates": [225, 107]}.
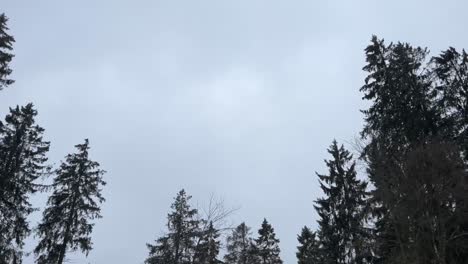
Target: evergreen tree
{"type": "Point", "coordinates": [207, 249]}
{"type": "Point", "coordinates": [74, 202]}
{"type": "Point", "coordinates": [161, 252]}
{"type": "Point", "coordinates": [239, 246]}
{"type": "Point", "coordinates": [22, 161]}
{"type": "Point", "coordinates": [178, 245]}
{"type": "Point", "coordinates": [308, 251]}
{"type": "Point", "coordinates": [6, 45]}
{"type": "Point", "coordinates": [342, 211]}
{"type": "Point", "coordinates": [401, 116]}
{"type": "Point", "coordinates": [399, 87]}
{"type": "Point", "coordinates": [416, 106]}
{"type": "Point", "coordinates": [267, 245]}
{"type": "Point", "coordinates": [450, 69]}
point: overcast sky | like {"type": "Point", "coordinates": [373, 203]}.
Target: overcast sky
{"type": "Point", "coordinates": [237, 98]}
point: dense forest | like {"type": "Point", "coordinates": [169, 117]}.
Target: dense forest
{"type": "Point", "coordinates": [410, 206]}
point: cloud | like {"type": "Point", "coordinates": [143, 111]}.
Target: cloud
{"type": "Point", "coordinates": [240, 98]}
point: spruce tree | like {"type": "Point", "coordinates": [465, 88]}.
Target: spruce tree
{"type": "Point", "coordinates": [161, 252]}
{"type": "Point", "coordinates": [6, 45]}
{"type": "Point", "coordinates": [401, 116]}
{"type": "Point", "coordinates": [239, 246]}
{"type": "Point", "coordinates": [399, 87]}
{"type": "Point", "coordinates": [451, 70]}
{"type": "Point", "coordinates": [416, 105]}
{"type": "Point", "coordinates": [308, 251]}
{"type": "Point", "coordinates": [267, 245]}
{"type": "Point", "coordinates": [342, 210]}
{"type": "Point", "coordinates": [22, 161]}
{"type": "Point", "coordinates": [75, 201]}
{"type": "Point", "coordinates": [179, 244]}
{"type": "Point", "coordinates": [207, 249]}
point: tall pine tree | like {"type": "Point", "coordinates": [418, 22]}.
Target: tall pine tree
{"type": "Point", "coordinates": [400, 117]}
{"type": "Point", "coordinates": [207, 250]}
{"type": "Point", "coordinates": [239, 246]}
{"type": "Point", "coordinates": [22, 161]}
{"type": "Point", "coordinates": [342, 210]}
{"type": "Point", "coordinates": [308, 251]}
{"type": "Point", "coordinates": [75, 201]}
{"type": "Point", "coordinates": [417, 107]}
{"type": "Point", "coordinates": [266, 246]}
{"type": "Point", "coordinates": [6, 45]}
{"type": "Point", "coordinates": [179, 244]}
{"type": "Point", "coordinates": [400, 89]}
{"type": "Point", "coordinates": [451, 71]}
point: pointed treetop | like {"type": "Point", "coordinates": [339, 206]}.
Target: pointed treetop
{"type": "Point", "coordinates": [6, 45]}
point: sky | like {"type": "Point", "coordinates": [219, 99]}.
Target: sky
{"type": "Point", "coordinates": [238, 99]}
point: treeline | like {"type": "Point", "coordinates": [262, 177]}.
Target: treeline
{"type": "Point", "coordinates": [192, 238]}
{"type": "Point", "coordinates": [74, 191]}
{"type": "Point", "coordinates": [414, 147]}
{"type": "Point", "coordinates": [409, 206]}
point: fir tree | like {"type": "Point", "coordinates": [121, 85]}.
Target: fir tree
{"type": "Point", "coordinates": [239, 246]}
{"type": "Point", "coordinates": [22, 161]}
{"type": "Point", "coordinates": [451, 71]}
{"type": "Point", "coordinates": [267, 245]}
{"type": "Point", "coordinates": [342, 211]}
{"type": "Point", "coordinates": [74, 202]}
{"type": "Point", "coordinates": [401, 116]}
{"type": "Point", "coordinates": [161, 252]}
{"type": "Point", "coordinates": [178, 245]}
{"type": "Point", "coordinates": [415, 106]}
{"type": "Point", "coordinates": [308, 251]}
{"type": "Point", "coordinates": [207, 249]}
{"type": "Point", "coordinates": [399, 87]}
{"type": "Point", "coordinates": [6, 45]}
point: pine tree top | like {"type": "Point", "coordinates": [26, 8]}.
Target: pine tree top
{"type": "Point", "coordinates": [6, 45]}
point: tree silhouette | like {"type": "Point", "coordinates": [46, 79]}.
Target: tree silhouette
{"type": "Point", "coordinates": [6, 46]}
{"type": "Point", "coordinates": [178, 245]}
{"type": "Point", "coordinates": [74, 202]}
{"type": "Point", "coordinates": [239, 246]}
{"type": "Point", "coordinates": [22, 161]}
{"type": "Point", "coordinates": [342, 210]}
{"type": "Point", "coordinates": [267, 245]}
{"type": "Point", "coordinates": [308, 251]}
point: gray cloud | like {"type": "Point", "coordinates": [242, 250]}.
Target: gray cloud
{"type": "Point", "coordinates": [240, 98]}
